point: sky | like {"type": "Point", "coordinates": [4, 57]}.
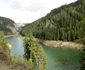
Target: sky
{"type": "Point", "coordinates": [27, 11]}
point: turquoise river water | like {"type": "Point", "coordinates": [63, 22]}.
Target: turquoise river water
{"type": "Point", "coordinates": [57, 58]}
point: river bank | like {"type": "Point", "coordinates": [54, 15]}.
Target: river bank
{"type": "Point", "coordinates": [7, 36]}
{"type": "Point", "coordinates": [62, 44]}
{"type": "Point", "coordinates": [11, 35]}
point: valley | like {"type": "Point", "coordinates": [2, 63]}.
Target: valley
{"type": "Point", "coordinates": [55, 41]}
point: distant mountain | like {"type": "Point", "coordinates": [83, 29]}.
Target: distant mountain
{"type": "Point", "coordinates": [8, 26]}
{"type": "Point", "coordinates": [64, 23]}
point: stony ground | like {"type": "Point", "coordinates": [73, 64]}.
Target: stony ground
{"type": "Point", "coordinates": [62, 44]}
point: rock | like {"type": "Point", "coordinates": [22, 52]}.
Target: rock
{"type": "Point", "coordinates": [9, 45]}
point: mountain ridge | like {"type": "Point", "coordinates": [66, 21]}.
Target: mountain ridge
{"type": "Point", "coordinates": [7, 25]}
{"type": "Point", "coordinates": [63, 23]}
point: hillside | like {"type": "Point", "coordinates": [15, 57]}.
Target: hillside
{"type": "Point", "coordinates": [7, 25]}
{"type": "Point", "coordinates": [64, 23]}
{"type": "Point", "coordinates": [8, 62]}
{"type": "Point", "coordinates": [6, 65]}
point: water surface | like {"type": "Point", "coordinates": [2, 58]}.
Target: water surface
{"type": "Point", "coordinates": [57, 58]}
{"type": "Point", "coordinates": [17, 46]}
{"type": "Point", "coordinates": [62, 58]}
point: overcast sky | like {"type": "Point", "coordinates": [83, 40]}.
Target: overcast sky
{"type": "Point", "coordinates": [26, 11]}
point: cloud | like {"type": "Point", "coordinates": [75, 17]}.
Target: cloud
{"type": "Point", "coordinates": [28, 10]}
{"type": "Point", "coordinates": [16, 5]}
{"type": "Point", "coordinates": [36, 7]}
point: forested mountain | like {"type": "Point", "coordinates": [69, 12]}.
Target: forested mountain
{"type": "Point", "coordinates": [7, 25]}
{"type": "Point", "coordinates": [64, 23]}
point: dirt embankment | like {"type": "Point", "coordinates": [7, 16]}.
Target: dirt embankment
{"type": "Point", "coordinates": [61, 44]}
{"type": "Point", "coordinates": [7, 64]}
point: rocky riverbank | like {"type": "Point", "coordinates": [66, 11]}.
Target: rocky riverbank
{"type": "Point", "coordinates": [59, 43]}
{"type": "Point", "coordinates": [11, 35]}
{"type": "Point", "coordinates": [62, 44]}
{"type": "Point", "coordinates": [9, 46]}
{"type": "Point", "coordinates": [6, 36]}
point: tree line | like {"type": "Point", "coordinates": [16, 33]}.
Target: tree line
{"type": "Point", "coordinates": [65, 23]}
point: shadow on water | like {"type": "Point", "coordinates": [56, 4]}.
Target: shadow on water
{"type": "Point", "coordinates": [59, 58]}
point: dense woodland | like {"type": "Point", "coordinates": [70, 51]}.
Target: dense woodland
{"type": "Point", "coordinates": [4, 22]}
{"type": "Point", "coordinates": [65, 23]}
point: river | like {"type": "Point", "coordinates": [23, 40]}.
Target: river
{"type": "Point", "coordinates": [17, 46]}
{"type": "Point", "coordinates": [57, 58]}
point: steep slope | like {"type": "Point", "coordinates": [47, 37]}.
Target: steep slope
{"type": "Point", "coordinates": [64, 23]}
{"type": "Point", "coordinates": [7, 26]}
{"type": "Point", "coordinates": [8, 65]}
{"type": "Point", "coordinates": [8, 62]}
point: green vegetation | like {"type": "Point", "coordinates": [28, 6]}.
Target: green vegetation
{"type": "Point", "coordinates": [3, 44]}
{"type": "Point", "coordinates": [65, 23]}
{"type": "Point", "coordinates": [5, 23]}
{"type": "Point", "coordinates": [7, 62]}
{"type": "Point", "coordinates": [34, 53]}
{"type": "Point", "coordinates": [35, 61]}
